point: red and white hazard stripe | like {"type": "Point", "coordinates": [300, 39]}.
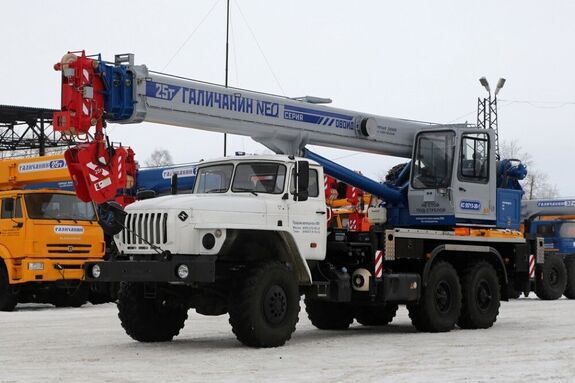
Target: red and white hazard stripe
{"type": "Point", "coordinates": [531, 266]}
{"type": "Point", "coordinates": [378, 263]}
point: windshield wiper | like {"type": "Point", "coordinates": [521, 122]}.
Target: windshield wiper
{"type": "Point", "coordinates": [220, 190]}
{"type": "Point", "coordinates": [245, 190]}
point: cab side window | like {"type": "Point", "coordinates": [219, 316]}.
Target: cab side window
{"type": "Point", "coordinates": [474, 165]}
{"type": "Point", "coordinates": [11, 208]}
{"type": "Point", "coordinates": [313, 186]}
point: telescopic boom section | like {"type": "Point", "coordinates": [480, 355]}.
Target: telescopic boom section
{"type": "Point", "coordinates": [94, 91]}
{"type": "Point", "coordinates": [531, 209]}
{"type": "Point", "coordinates": [97, 169]}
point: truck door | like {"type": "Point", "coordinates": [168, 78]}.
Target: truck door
{"type": "Point", "coordinates": [430, 198]}
{"type": "Point", "coordinates": [475, 184]}
{"type": "Point", "coordinates": [307, 219]}
{"type": "Point", "coordinates": [11, 225]}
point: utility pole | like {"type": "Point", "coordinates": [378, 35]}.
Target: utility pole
{"type": "Point", "coordinates": [227, 57]}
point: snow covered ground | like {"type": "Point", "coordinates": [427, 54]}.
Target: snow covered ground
{"type": "Point", "coordinates": [532, 340]}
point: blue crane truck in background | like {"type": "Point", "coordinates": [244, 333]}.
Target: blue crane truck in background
{"type": "Point", "coordinates": [554, 221]}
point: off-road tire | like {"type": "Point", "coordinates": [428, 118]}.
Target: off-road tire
{"type": "Point", "coordinates": [329, 315]}
{"type": "Point", "coordinates": [264, 305]}
{"type": "Point", "coordinates": [379, 315]}
{"type": "Point", "coordinates": [512, 293]}
{"type": "Point", "coordinates": [551, 278]}
{"type": "Point", "coordinates": [570, 268]}
{"type": "Point", "coordinates": [440, 303]}
{"type": "Point", "coordinates": [148, 319]}
{"type": "Point", "coordinates": [8, 299]}
{"type": "Point", "coordinates": [70, 297]}
{"type": "Point", "coordinates": [481, 294]}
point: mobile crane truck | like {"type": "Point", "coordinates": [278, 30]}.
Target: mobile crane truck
{"type": "Point", "coordinates": [46, 235]}
{"type": "Point", "coordinates": [554, 221]}
{"type": "Point", "coordinates": [252, 236]}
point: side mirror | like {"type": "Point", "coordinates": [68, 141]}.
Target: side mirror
{"type": "Point", "coordinates": [174, 184]}
{"type": "Point", "coordinates": [145, 194]}
{"type": "Point", "coordinates": [302, 181]}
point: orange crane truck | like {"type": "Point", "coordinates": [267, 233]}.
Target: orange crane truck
{"type": "Point", "coordinates": [46, 235]}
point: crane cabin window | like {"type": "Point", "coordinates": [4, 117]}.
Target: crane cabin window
{"type": "Point", "coordinates": [259, 177]}
{"type": "Point", "coordinates": [433, 160]}
{"type": "Point", "coordinates": [474, 164]}
{"type": "Point", "coordinates": [214, 179]}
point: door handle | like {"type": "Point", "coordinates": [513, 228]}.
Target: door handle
{"type": "Point", "coordinates": [320, 212]}
{"type": "Point", "coordinates": [462, 189]}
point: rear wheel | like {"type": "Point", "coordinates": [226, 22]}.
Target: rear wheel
{"type": "Point", "coordinates": [264, 307]}
{"type": "Point", "coordinates": [379, 315]}
{"type": "Point", "coordinates": [481, 296]}
{"type": "Point", "coordinates": [149, 319]}
{"type": "Point", "coordinates": [570, 268]}
{"type": "Point", "coordinates": [551, 279]}
{"type": "Point", "coordinates": [8, 299]}
{"type": "Point", "coordinates": [329, 315]}
{"type": "Point", "coordinates": [440, 304]}
{"type": "Point", "coordinates": [512, 293]}
{"type": "Point", "coordinates": [70, 297]}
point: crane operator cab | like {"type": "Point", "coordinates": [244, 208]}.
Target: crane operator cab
{"type": "Point", "coordinates": [454, 181]}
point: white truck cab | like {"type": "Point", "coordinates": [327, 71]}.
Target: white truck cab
{"type": "Point", "coordinates": [240, 193]}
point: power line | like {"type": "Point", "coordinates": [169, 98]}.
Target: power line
{"type": "Point", "coordinates": [542, 104]}
{"type": "Point", "coordinates": [260, 48]}
{"type": "Point", "coordinates": [191, 34]}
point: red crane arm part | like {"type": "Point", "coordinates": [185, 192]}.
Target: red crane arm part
{"type": "Point", "coordinates": [97, 169]}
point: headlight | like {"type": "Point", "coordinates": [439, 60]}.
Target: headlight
{"type": "Point", "coordinates": [36, 266]}
{"type": "Point", "coordinates": [96, 271]}
{"type": "Point", "coordinates": [209, 241]}
{"type": "Point", "coordinates": [183, 271]}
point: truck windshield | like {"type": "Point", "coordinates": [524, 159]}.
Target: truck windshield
{"type": "Point", "coordinates": [259, 177]}
{"type": "Point", "coordinates": [58, 206]}
{"type": "Point", "coordinates": [214, 179]}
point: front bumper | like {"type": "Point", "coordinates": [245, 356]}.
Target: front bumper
{"type": "Point", "coordinates": [52, 269]}
{"type": "Point", "coordinates": [201, 269]}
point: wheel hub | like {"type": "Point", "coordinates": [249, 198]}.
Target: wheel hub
{"type": "Point", "coordinates": [553, 277]}
{"type": "Point", "coordinates": [275, 304]}
{"type": "Point", "coordinates": [443, 297]}
{"type": "Point", "coordinates": [484, 296]}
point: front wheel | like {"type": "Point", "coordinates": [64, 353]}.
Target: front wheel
{"type": "Point", "coordinates": [551, 279]}
{"type": "Point", "coordinates": [570, 268]}
{"type": "Point", "coordinates": [264, 307]}
{"type": "Point", "coordinates": [481, 296]}
{"type": "Point", "coordinates": [148, 319]}
{"type": "Point", "coordinates": [8, 299]}
{"type": "Point", "coordinates": [440, 303]}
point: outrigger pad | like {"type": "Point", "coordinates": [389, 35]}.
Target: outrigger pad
{"type": "Point", "coordinates": [97, 172]}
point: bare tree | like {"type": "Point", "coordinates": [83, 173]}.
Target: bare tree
{"type": "Point", "coordinates": [536, 184]}
{"type": "Point", "coordinates": [159, 157]}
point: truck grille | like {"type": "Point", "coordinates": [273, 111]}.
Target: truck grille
{"type": "Point", "coordinates": [151, 227]}
{"type": "Point", "coordinates": [71, 248]}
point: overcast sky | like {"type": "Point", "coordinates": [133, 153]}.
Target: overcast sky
{"type": "Point", "coordinates": [409, 59]}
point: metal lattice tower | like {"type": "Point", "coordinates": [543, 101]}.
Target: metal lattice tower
{"type": "Point", "coordinates": [28, 131]}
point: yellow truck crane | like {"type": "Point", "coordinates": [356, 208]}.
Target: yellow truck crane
{"type": "Point", "coordinates": [46, 235]}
